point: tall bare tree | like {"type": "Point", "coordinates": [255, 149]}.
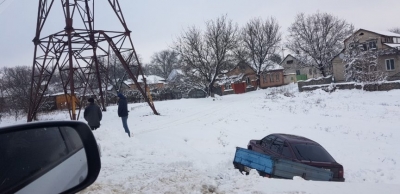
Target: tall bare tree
{"type": "Point", "coordinates": [316, 39]}
{"type": "Point", "coordinates": [162, 63]}
{"type": "Point", "coordinates": [205, 55]}
{"type": "Point", "coordinates": [260, 40]}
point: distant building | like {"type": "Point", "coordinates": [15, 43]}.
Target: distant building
{"type": "Point", "coordinates": [242, 78]}
{"type": "Point", "coordinates": [152, 81]}
{"type": "Point", "coordinates": [295, 71]}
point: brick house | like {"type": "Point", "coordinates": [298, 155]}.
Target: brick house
{"type": "Point", "coordinates": [272, 76]}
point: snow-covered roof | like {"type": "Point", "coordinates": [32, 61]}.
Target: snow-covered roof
{"type": "Point", "coordinates": [150, 79]}
{"type": "Point", "coordinates": [393, 45]}
{"type": "Point", "coordinates": [273, 66]}
{"type": "Point", "coordinates": [385, 33]}
{"type": "Point", "coordinates": [174, 73]}
{"type": "Point", "coordinates": [229, 79]}
{"type": "Point", "coordinates": [381, 32]}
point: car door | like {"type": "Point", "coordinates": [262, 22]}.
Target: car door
{"type": "Point", "coordinates": [286, 151]}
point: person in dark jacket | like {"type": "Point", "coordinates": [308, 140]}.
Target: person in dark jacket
{"type": "Point", "coordinates": [123, 112]}
{"type": "Point", "coordinates": [92, 114]}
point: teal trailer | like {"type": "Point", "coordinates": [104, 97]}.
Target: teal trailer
{"type": "Point", "coordinates": [277, 167]}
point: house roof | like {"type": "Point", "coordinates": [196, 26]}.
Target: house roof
{"type": "Point", "coordinates": [229, 79]}
{"type": "Point", "coordinates": [289, 55]}
{"type": "Point", "coordinates": [150, 79]}
{"type": "Point", "coordinates": [174, 73]}
{"type": "Point", "coordinates": [385, 33]}
{"type": "Point", "coordinates": [241, 63]}
{"type": "Point", "coordinates": [273, 67]}
{"type": "Point", "coordinates": [393, 45]}
{"type": "Point", "coordinates": [379, 32]}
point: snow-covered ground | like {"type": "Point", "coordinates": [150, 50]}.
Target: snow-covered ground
{"type": "Point", "coordinates": [190, 147]}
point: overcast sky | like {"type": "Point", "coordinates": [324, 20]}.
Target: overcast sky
{"type": "Point", "coordinates": [156, 24]}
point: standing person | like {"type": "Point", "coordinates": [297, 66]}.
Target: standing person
{"type": "Point", "coordinates": [92, 114]}
{"type": "Point", "coordinates": [123, 112]}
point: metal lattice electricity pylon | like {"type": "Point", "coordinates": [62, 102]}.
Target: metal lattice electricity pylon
{"type": "Point", "coordinates": [74, 54]}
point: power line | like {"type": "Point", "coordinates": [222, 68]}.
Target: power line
{"type": "Point", "coordinates": [5, 5]}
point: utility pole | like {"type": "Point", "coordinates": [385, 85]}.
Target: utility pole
{"type": "Point", "coordinates": [76, 53]}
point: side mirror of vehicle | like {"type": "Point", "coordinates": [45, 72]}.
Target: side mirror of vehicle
{"type": "Point", "coordinates": [48, 157]}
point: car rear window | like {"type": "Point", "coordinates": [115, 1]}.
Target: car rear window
{"type": "Point", "coordinates": [312, 152]}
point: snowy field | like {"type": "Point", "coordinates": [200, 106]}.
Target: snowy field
{"type": "Point", "coordinates": [190, 147]}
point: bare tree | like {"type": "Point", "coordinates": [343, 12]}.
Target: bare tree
{"type": "Point", "coordinates": [163, 63]}
{"type": "Point", "coordinates": [316, 39]}
{"type": "Point", "coordinates": [395, 30]}
{"type": "Point", "coordinates": [16, 85]}
{"type": "Point", "coordinates": [260, 41]}
{"type": "Point", "coordinates": [361, 64]}
{"type": "Point", "coordinates": [206, 55]}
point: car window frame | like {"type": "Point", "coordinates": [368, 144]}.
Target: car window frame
{"type": "Point", "coordinates": [264, 139]}
{"type": "Point", "coordinates": [280, 146]}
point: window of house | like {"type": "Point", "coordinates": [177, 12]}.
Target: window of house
{"type": "Point", "coordinates": [364, 46]}
{"type": "Point", "coordinates": [372, 45]}
{"type": "Point", "coordinates": [315, 71]}
{"type": "Point", "coordinates": [289, 62]}
{"type": "Point", "coordinates": [248, 81]}
{"type": "Point", "coordinates": [277, 77]}
{"type": "Point", "coordinates": [361, 34]}
{"type": "Point", "coordinates": [228, 86]}
{"type": "Point", "coordinates": [291, 78]}
{"type": "Point", "coordinates": [271, 77]}
{"type": "Point", "coordinates": [389, 64]}
{"type": "Point", "coordinates": [310, 71]}
{"type": "Point", "coordinates": [387, 40]}
{"type": "Point", "coordinates": [264, 78]}
{"type": "Point", "coordinates": [297, 72]}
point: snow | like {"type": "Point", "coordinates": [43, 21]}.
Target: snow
{"type": "Point", "coordinates": [315, 79]}
{"type": "Point", "coordinates": [174, 73]}
{"type": "Point", "coordinates": [273, 66]}
{"type": "Point", "coordinates": [385, 33]}
{"type": "Point", "coordinates": [190, 147]}
{"type": "Point", "coordinates": [393, 45]}
{"type": "Point", "coordinates": [150, 79]}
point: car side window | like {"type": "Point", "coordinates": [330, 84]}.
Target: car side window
{"type": "Point", "coordinates": [276, 145]}
{"type": "Point", "coordinates": [16, 149]}
{"type": "Point", "coordinates": [285, 151]}
{"type": "Point", "coordinates": [266, 141]}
